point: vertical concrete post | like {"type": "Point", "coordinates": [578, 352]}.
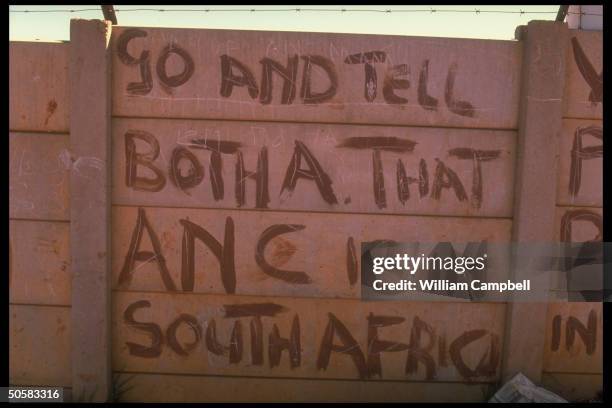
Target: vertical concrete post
{"type": "Point", "coordinates": [541, 108]}
{"type": "Point", "coordinates": [90, 121]}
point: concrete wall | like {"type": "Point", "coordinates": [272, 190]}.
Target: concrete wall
{"type": "Point", "coordinates": [39, 213]}
{"type": "Point", "coordinates": [573, 369]}
{"type": "Point", "coordinates": [205, 131]}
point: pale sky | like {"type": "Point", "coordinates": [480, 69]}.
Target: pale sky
{"type": "Point", "coordinates": [54, 26]}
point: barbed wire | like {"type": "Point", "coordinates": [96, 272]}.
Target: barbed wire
{"type": "Point", "coordinates": [298, 10]}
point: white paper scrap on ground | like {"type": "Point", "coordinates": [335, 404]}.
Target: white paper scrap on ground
{"type": "Point", "coordinates": [521, 389]}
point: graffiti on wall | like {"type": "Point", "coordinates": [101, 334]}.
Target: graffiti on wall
{"type": "Point", "coordinates": [280, 339]}
{"type": "Point", "coordinates": [214, 164]}
{"type": "Point", "coordinates": [298, 72]}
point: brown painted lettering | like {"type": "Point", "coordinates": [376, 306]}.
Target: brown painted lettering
{"type": "Point", "coordinates": [253, 309]}
{"type": "Point", "coordinates": [594, 80]}
{"type": "Point", "coordinates": [368, 58]}
{"type": "Point", "coordinates": [236, 344]}
{"type": "Point", "coordinates": [195, 174]}
{"type": "Point", "coordinates": [256, 341]}
{"type": "Point", "coordinates": [352, 269]}
{"type": "Point", "coordinates": [152, 329]}
{"type": "Point", "coordinates": [216, 175]}
{"type": "Point", "coordinates": [484, 368]}
{"type": "Point", "coordinates": [442, 352]}
{"type": "Point", "coordinates": [426, 101]}
{"type": "Point", "coordinates": [306, 93]}
{"type": "Point", "coordinates": [277, 344]}
{"type": "Point", "coordinates": [348, 346]}
{"type": "Point", "coordinates": [458, 107]}
{"type": "Point", "coordinates": [235, 347]}
{"type": "Point", "coordinates": [380, 196]}
{"type": "Point", "coordinates": [377, 346]}
{"type": "Point", "coordinates": [447, 178]}
{"type": "Point", "coordinates": [146, 84]}
{"type": "Point", "coordinates": [224, 253]}
{"type": "Point", "coordinates": [477, 156]}
{"type": "Point", "coordinates": [262, 195]}
{"type": "Point", "coordinates": [134, 159]}
{"type": "Point", "coordinates": [178, 79]}
{"type": "Point", "coordinates": [418, 353]}
{"type": "Point", "coordinates": [192, 323]}
{"type": "Point", "coordinates": [134, 254]}
{"type": "Point", "coordinates": [384, 143]}
{"type": "Point", "coordinates": [587, 333]}
{"type": "Point", "coordinates": [289, 75]}
{"type": "Point", "coordinates": [403, 181]}
{"type": "Point", "coordinates": [314, 172]}
{"type": "Point", "coordinates": [212, 343]}
{"type": "Point", "coordinates": [392, 82]}
{"type": "Point", "coordinates": [556, 333]}
{"type": "Point", "coordinates": [580, 153]}
{"type": "Point", "coordinates": [296, 277]}
{"type": "Point", "coordinates": [229, 80]}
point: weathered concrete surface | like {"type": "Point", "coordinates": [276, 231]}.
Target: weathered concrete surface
{"type": "Point", "coordinates": [575, 224]}
{"type": "Point", "coordinates": [39, 345]}
{"type": "Point", "coordinates": [541, 107]}
{"type": "Point", "coordinates": [38, 86]}
{"type": "Point", "coordinates": [182, 388]}
{"type": "Point", "coordinates": [39, 176]}
{"type": "Point", "coordinates": [39, 263]}
{"type": "Point", "coordinates": [90, 207]}
{"type": "Point", "coordinates": [573, 387]}
{"type": "Point", "coordinates": [443, 81]}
